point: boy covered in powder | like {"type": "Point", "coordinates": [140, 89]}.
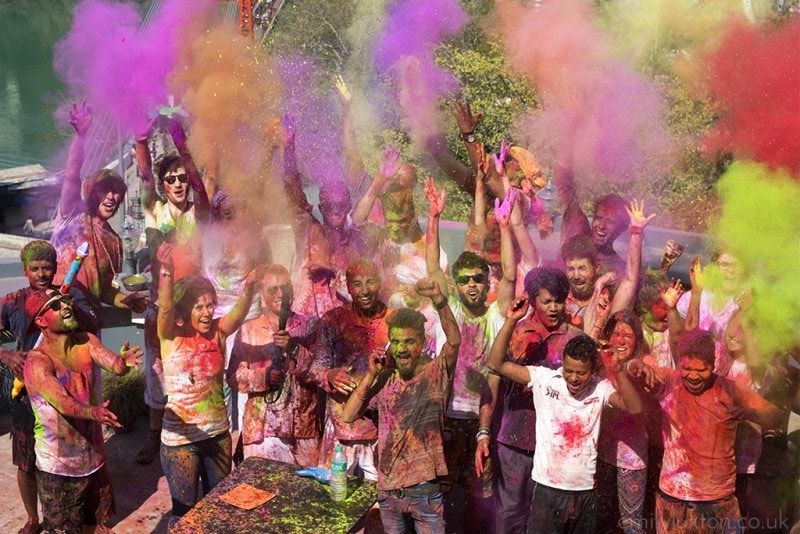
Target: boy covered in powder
{"type": "Point", "coordinates": [568, 402]}
{"type": "Point", "coordinates": [410, 397]}
{"type": "Point", "coordinates": [701, 414]}
{"type": "Point", "coordinates": [17, 313]}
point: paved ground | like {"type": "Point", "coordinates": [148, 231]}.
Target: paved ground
{"type": "Point", "coordinates": [141, 492]}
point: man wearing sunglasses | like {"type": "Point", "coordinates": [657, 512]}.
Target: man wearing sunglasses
{"type": "Point", "coordinates": [171, 218]}
{"type": "Point", "coordinates": [60, 376]}
{"type": "Point", "coordinates": [18, 310]}
{"type": "Point", "coordinates": [469, 409]}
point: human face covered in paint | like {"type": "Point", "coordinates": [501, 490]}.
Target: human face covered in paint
{"type": "Point", "coordinates": [656, 317]}
{"type": "Point", "coordinates": [731, 272]}
{"type": "Point", "coordinates": [405, 346]}
{"type": "Point", "coordinates": [576, 373]}
{"type": "Point", "coordinates": [622, 341]}
{"type": "Point", "coordinates": [400, 222]}
{"type": "Point", "coordinates": [697, 375]}
{"type": "Point", "coordinates": [473, 287]}
{"type": "Point", "coordinates": [334, 208]}
{"type": "Point", "coordinates": [57, 315]}
{"type": "Point", "coordinates": [364, 287]}
{"type": "Point", "coordinates": [40, 273]}
{"type": "Point", "coordinates": [607, 225]}
{"type": "Point", "coordinates": [109, 204]}
{"type": "Point", "coordinates": [581, 275]}
{"type": "Point", "coordinates": [272, 288]}
{"type": "Point", "coordinates": [548, 310]}
{"type": "Point", "coordinates": [176, 186]}
{"type": "Point", "coordinates": [202, 314]}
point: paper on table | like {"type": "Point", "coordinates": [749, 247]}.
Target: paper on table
{"type": "Point", "coordinates": [247, 497]}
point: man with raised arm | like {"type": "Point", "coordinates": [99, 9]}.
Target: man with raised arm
{"type": "Point", "coordinates": [409, 397]}
{"type": "Point", "coordinates": [568, 402]}
{"type": "Point", "coordinates": [61, 379]}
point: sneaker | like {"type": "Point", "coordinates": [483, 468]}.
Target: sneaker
{"type": "Point", "coordinates": [151, 449]}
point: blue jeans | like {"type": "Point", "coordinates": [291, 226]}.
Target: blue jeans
{"type": "Point", "coordinates": [426, 513]}
{"type": "Point", "coordinates": [185, 466]}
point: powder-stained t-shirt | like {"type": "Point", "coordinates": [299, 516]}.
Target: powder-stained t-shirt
{"type": "Point", "coordinates": [291, 415]}
{"type": "Point", "coordinates": [699, 433]}
{"type": "Point", "coordinates": [567, 429]}
{"type": "Point", "coordinates": [410, 423]}
{"type": "Point", "coordinates": [193, 375]}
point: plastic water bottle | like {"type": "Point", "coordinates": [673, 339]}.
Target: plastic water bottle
{"type": "Point", "coordinates": [338, 480]}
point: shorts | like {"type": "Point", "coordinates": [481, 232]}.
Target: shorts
{"type": "Point", "coordinates": [70, 502]}
{"type": "Point", "coordinates": [153, 369]}
{"type": "Point", "coordinates": [23, 453]}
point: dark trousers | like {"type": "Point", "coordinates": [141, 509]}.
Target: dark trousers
{"type": "Point", "coordinates": [560, 511]}
{"type": "Point", "coordinates": [513, 489]}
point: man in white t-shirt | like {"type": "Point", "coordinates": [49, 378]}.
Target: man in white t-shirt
{"type": "Point", "coordinates": [568, 403]}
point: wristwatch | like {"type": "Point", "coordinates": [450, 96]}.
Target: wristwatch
{"type": "Point", "coordinates": [469, 137]}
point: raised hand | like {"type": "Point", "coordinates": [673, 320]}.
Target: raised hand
{"type": "Point", "coordinates": [175, 129]}
{"type": "Point", "coordinates": [602, 307]}
{"type": "Point", "coordinates": [341, 89]}
{"type": "Point", "coordinates": [427, 287]}
{"type": "Point", "coordinates": [502, 211]}
{"type": "Point", "coordinates": [517, 309]}
{"type": "Point", "coordinates": [466, 120]}
{"type": "Point", "coordinates": [696, 275]}
{"type": "Point", "coordinates": [500, 159]}
{"type": "Point", "coordinates": [131, 355]}
{"type": "Point", "coordinates": [484, 162]}
{"type": "Point", "coordinates": [637, 216]}
{"type": "Point", "coordinates": [390, 162]}
{"type": "Point", "coordinates": [376, 362]}
{"type": "Point", "coordinates": [672, 293]}
{"type": "Point", "coordinates": [435, 198]}
{"type": "Point", "coordinates": [164, 255]}
{"type": "Point", "coordinates": [80, 117]}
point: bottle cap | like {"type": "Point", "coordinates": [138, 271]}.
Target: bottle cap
{"type": "Point", "coordinates": [339, 448]}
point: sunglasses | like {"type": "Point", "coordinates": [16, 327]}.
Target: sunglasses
{"type": "Point", "coordinates": [334, 206]}
{"type": "Point", "coordinates": [478, 278]}
{"type": "Point", "coordinates": [170, 178]}
{"type": "Point", "coordinates": [55, 304]}
{"type": "Point", "coordinates": [272, 290]}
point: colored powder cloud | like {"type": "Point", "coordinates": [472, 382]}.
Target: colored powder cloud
{"type": "Point", "coordinates": [310, 105]}
{"type": "Point", "coordinates": [598, 112]}
{"type": "Point", "coordinates": [756, 76]}
{"type": "Point", "coordinates": [759, 224]}
{"type": "Point", "coordinates": [231, 90]}
{"type": "Point", "coordinates": [109, 62]}
{"type": "Point", "coordinates": [405, 50]}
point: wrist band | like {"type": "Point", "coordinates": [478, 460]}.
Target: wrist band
{"type": "Point", "coordinates": [482, 434]}
{"type": "Point", "coordinates": [636, 231]}
{"type": "Point", "coordinates": [440, 305]}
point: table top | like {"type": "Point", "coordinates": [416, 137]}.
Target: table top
{"type": "Point", "coordinates": [302, 505]}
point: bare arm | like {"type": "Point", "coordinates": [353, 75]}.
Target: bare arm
{"type": "Point", "coordinates": [390, 164]}
{"type": "Point", "coordinates": [675, 324]}
{"type": "Point", "coordinates": [436, 200]}
{"type": "Point", "coordinates": [502, 212]}
{"type": "Point", "coordinates": [626, 397]}
{"type": "Point", "coordinates": [692, 320]}
{"type": "Point", "coordinates": [202, 206]}
{"type": "Point", "coordinates": [428, 287]}
{"type": "Point", "coordinates": [40, 377]}
{"type": "Point", "coordinates": [119, 364]}
{"type": "Point", "coordinates": [497, 355]}
{"type": "Point", "coordinates": [81, 120]}
{"type": "Point", "coordinates": [165, 320]}
{"type": "Point", "coordinates": [144, 163]}
{"type": "Point", "coordinates": [485, 421]}
{"type": "Point", "coordinates": [628, 286]}
{"type": "Point", "coordinates": [230, 323]}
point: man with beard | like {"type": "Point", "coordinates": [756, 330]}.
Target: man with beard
{"type": "Point", "coordinates": [410, 398]}
{"type": "Point", "coordinates": [701, 413]}
{"type": "Point", "coordinates": [469, 409]}
{"type": "Point", "coordinates": [538, 339]}
{"type": "Point", "coordinates": [61, 378]}
{"type": "Point", "coordinates": [348, 335]}
{"type": "Point", "coordinates": [173, 221]}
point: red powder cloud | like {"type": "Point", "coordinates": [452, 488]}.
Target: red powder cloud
{"type": "Point", "coordinates": [756, 76]}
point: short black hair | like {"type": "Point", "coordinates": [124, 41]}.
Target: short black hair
{"type": "Point", "coordinates": [553, 280]}
{"type": "Point", "coordinates": [406, 318]}
{"type": "Point", "coordinates": [582, 348]}
{"type": "Point", "coordinates": [698, 343]}
{"type": "Point", "coordinates": [469, 260]}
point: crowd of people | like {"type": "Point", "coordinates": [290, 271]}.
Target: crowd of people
{"type": "Point", "coordinates": [579, 394]}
